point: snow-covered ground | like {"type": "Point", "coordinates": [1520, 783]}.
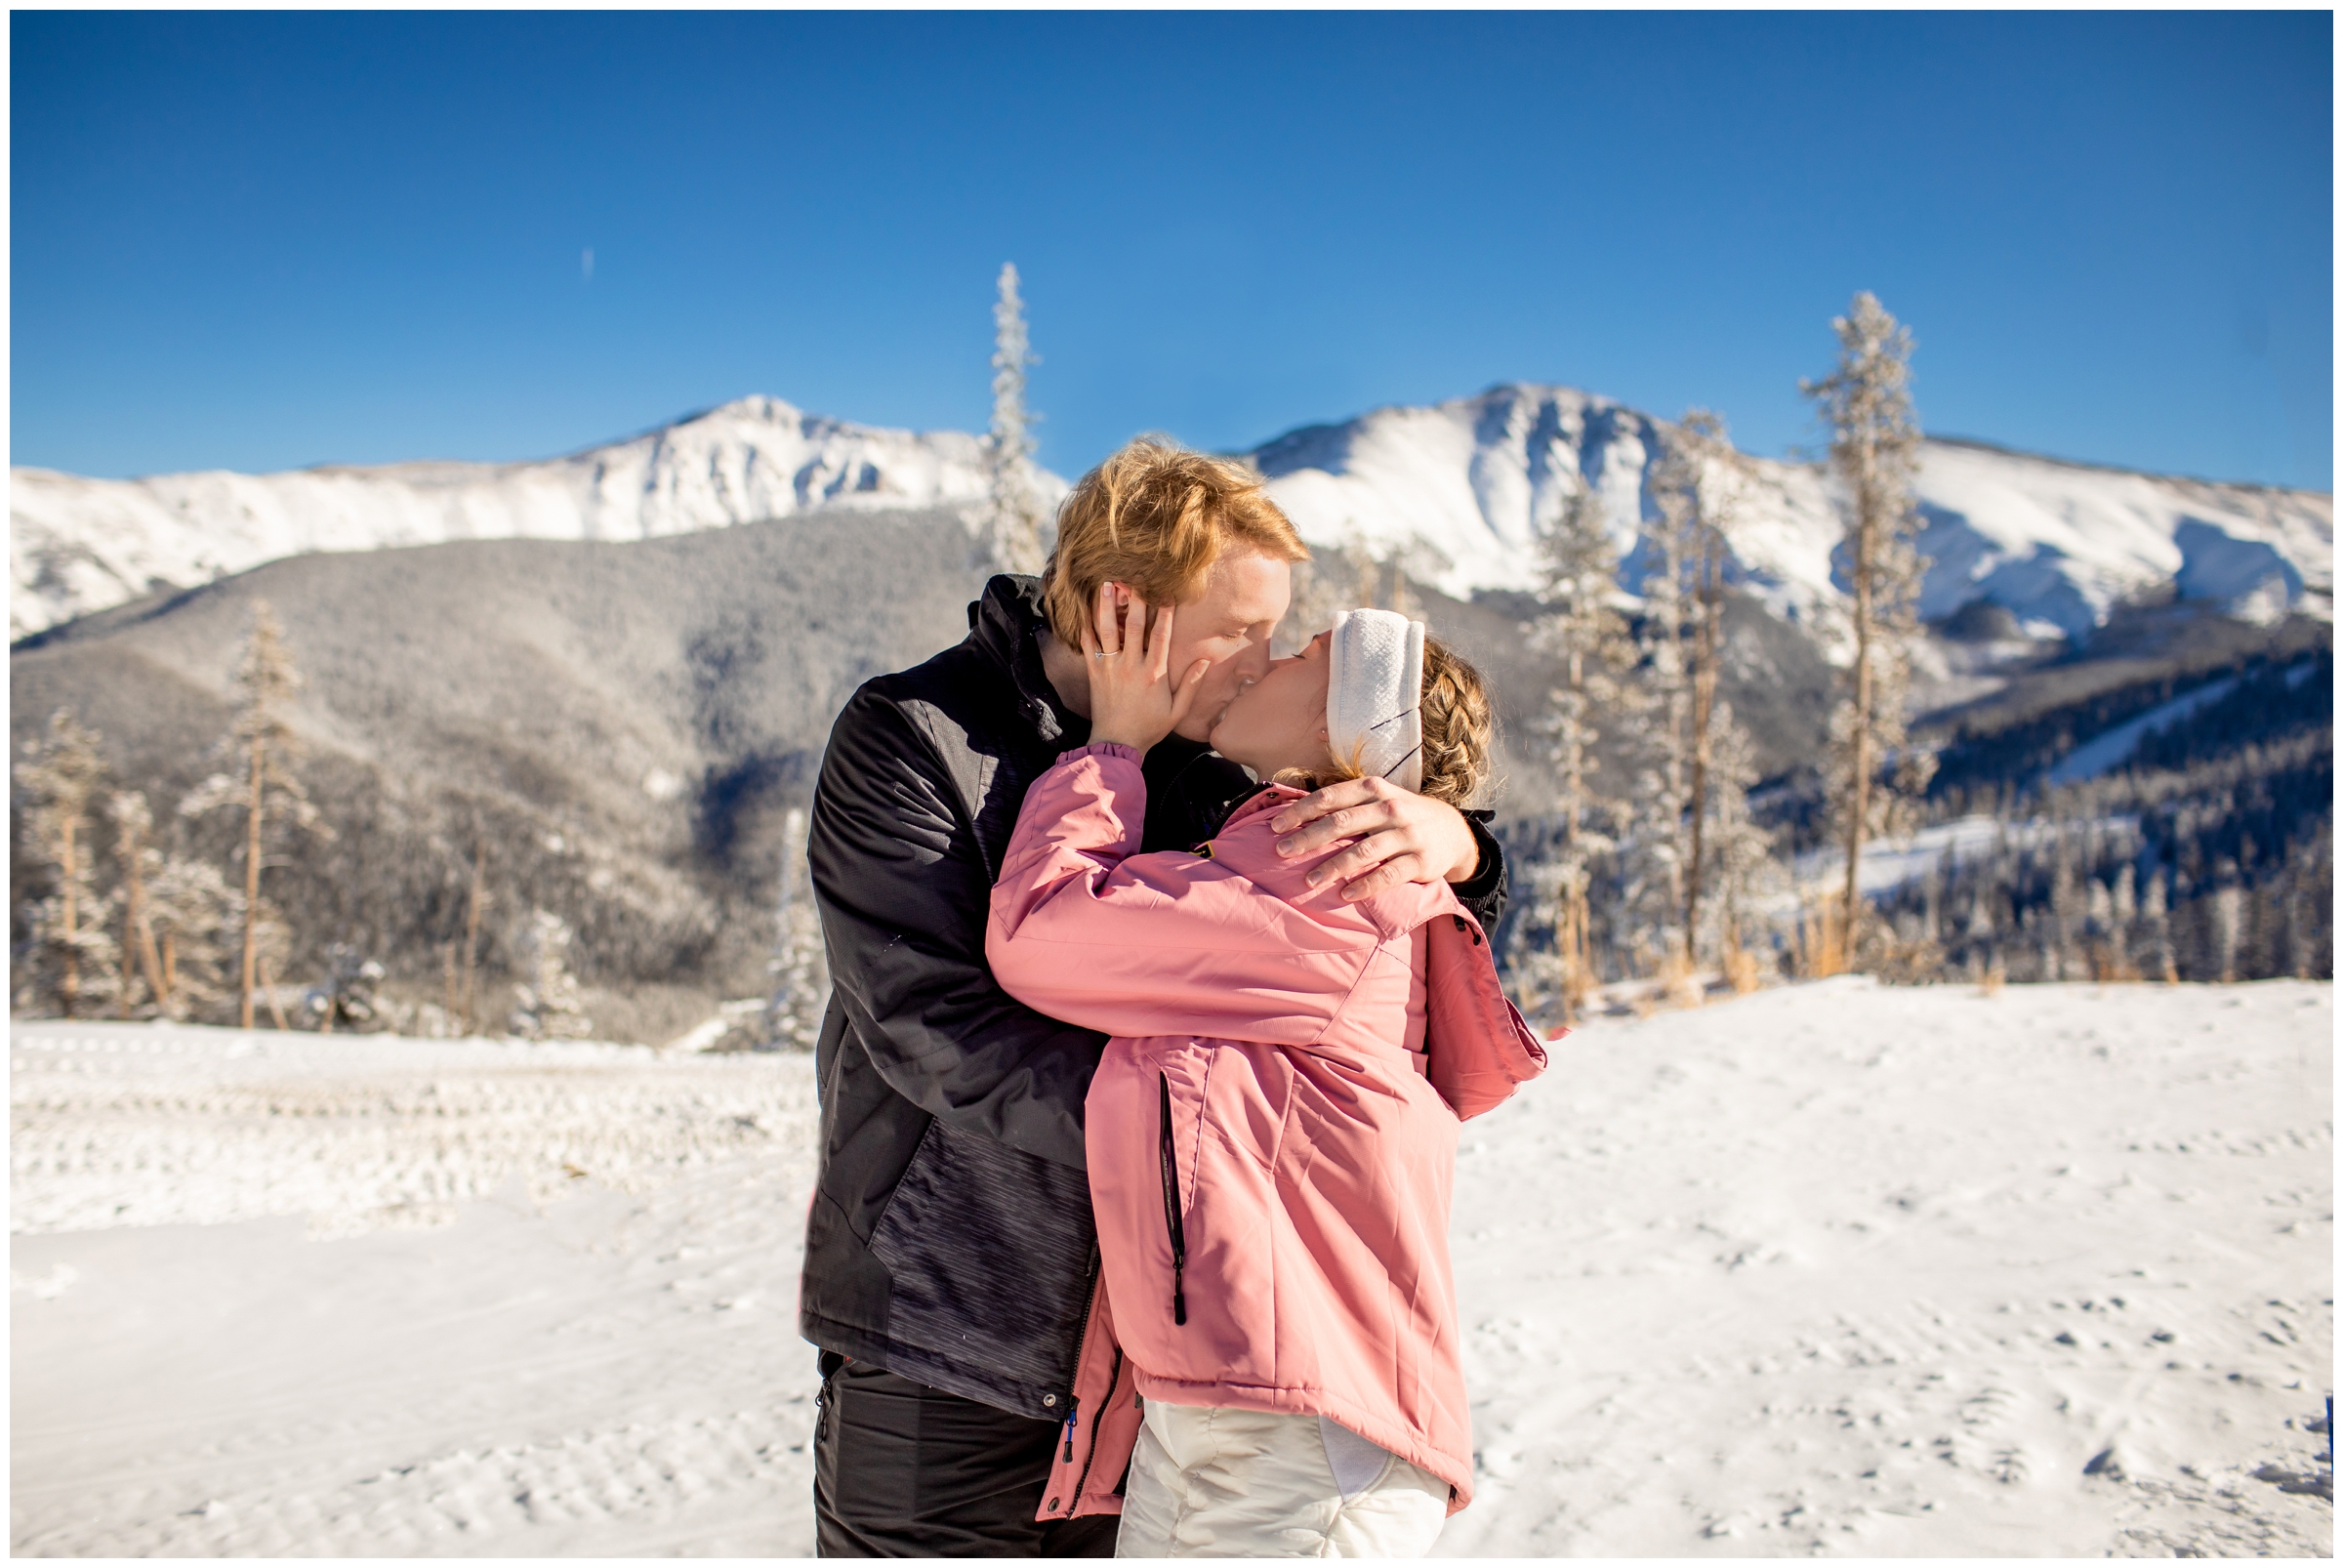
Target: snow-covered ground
{"type": "Point", "coordinates": [1830, 1270]}
{"type": "Point", "coordinates": [1847, 1269]}
{"type": "Point", "coordinates": [387, 1297]}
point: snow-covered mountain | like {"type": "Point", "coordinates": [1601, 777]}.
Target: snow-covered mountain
{"type": "Point", "coordinates": [1464, 488]}
{"type": "Point", "coordinates": [78, 545]}
{"type": "Point", "coordinates": [1473, 482]}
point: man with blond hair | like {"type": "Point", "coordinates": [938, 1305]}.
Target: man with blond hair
{"type": "Point", "coordinates": [950, 1254]}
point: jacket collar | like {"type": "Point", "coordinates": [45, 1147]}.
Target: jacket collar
{"type": "Point", "coordinates": [1005, 625]}
{"type": "Point", "coordinates": [1268, 797]}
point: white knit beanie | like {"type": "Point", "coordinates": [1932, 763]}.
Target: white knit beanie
{"type": "Point", "coordinates": [1375, 694]}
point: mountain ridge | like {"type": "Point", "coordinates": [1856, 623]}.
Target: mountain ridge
{"type": "Point", "coordinates": [1984, 443]}
{"type": "Point", "coordinates": [1462, 489]}
{"type": "Point", "coordinates": [1478, 479]}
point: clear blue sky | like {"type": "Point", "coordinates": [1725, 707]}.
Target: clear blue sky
{"type": "Point", "coordinates": [259, 240]}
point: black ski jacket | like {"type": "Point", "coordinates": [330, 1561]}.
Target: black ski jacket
{"type": "Point", "coordinates": [951, 1239]}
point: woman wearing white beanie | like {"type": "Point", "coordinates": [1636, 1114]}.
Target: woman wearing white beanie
{"type": "Point", "coordinates": [1374, 695]}
{"type": "Point", "coordinates": [1273, 1356]}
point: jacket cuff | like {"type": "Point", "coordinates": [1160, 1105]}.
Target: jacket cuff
{"type": "Point", "coordinates": [1104, 748]}
{"type": "Point", "coordinates": [1484, 891]}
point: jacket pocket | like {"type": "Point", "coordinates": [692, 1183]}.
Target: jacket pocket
{"type": "Point", "coordinates": [989, 1251]}
{"type": "Point", "coordinates": [1175, 1227]}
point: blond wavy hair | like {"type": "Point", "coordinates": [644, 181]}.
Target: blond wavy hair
{"type": "Point", "coordinates": [1459, 733]}
{"type": "Point", "coordinates": [1155, 517]}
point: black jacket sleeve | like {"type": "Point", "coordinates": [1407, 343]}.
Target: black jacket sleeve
{"type": "Point", "coordinates": [902, 886]}
{"type": "Point", "coordinates": [1484, 893]}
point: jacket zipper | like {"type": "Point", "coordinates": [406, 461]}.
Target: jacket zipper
{"type": "Point", "coordinates": [1089, 1304]}
{"type": "Point", "coordinates": [1091, 1458]}
{"type": "Point", "coordinates": [1171, 1222]}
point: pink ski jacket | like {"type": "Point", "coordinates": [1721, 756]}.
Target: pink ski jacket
{"type": "Point", "coordinates": [1269, 1164]}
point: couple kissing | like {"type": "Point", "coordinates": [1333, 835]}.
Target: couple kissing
{"type": "Point", "coordinates": [1160, 985]}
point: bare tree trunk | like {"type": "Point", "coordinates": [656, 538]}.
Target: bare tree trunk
{"type": "Point", "coordinates": [275, 1009]}
{"type": "Point", "coordinates": [140, 929]}
{"type": "Point", "coordinates": [1859, 785]}
{"type": "Point", "coordinates": [472, 928]}
{"type": "Point", "coordinates": [128, 945]}
{"type": "Point", "coordinates": [252, 887]}
{"type": "Point", "coordinates": [1703, 706]}
{"type": "Point", "coordinates": [69, 862]}
{"type": "Point", "coordinates": [151, 960]}
{"type": "Point", "coordinates": [1578, 947]}
{"type": "Point", "coordinates": [1874, 450]}
{"type": "Point", "coordinates": [1571, 937]}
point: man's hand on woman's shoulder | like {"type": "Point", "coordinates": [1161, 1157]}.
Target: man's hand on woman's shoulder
{"type": "Point", "coordinates": [1403, 837]}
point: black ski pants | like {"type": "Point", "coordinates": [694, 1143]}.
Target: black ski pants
{"type": "Point", "coordinates": [904, 1470]}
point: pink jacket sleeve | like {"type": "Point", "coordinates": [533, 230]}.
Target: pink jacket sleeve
{"type": "Point", "coordinates": [1477, 1049]}
{"type": "Point", "coordinates": [1084, 929]}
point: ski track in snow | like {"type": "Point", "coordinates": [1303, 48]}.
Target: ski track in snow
{"type": "Point", "coordinates": [1833, 1269]}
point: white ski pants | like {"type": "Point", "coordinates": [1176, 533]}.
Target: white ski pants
{"type": "Point", "coordinates": [1238, 1483]}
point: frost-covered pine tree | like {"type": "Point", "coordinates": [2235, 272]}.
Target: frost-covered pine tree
{"type": "Point", "coordinates": [1737, 853]}
{"type": "Point", "coordinates": [1354, 577]}
{"type": "Point", "coordinates": [2065, 904]}
{"type": "Point", "coordinates": [1658, 840]}
{"type": "Point", "coordinates": [1578, 626]}
{"type": "Point", "coordinates": [1875, 451]}
{"type": "Point", "coordinates": [347, 994]}
{"type": "Point", "coordinates": [1694, 486]}
{"type": "Point", "coordinates": [1673, 546]}
{"type": "Point", "coordinates": [1715, 479]}
{"type": "Point", "coordinates": [137, 860]}
{"type": "Point", "coordinates": [74, 955]}
{"type": "Point", "coordinates": [1333, 580]}
{"type": "Point", "coordinates": [194, 915]}
{"type": "Point", "coordinates": [1014, 518]}
{"type": "Point", "coordinates": [464, 994]}
{"type": "Point", "coordinates": [2228, 904]}
{"type": "Point", "coordinates": [547, 1005]}
{"type": "Point", "coordinates": [793, 1013]}
{"type": "Point", "coordinates": [269, 792]}
{"type": "Point", "coordinates": [2124, 917]}
{"type": "Point", "coordinates": [1417, 560]}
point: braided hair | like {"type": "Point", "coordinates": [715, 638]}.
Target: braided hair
{"type": "Point", "coordinates": [1459, 733]}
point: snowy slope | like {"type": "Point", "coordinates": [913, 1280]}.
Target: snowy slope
{"type": "Point", "coordinates": [1834, 1270]}
{"type": "Point", "coordinates": [2110, 749]}
{"type": "Point", "coordinates": [1477, 480]}
{"type": "Point", "coordinates": [1890, 863]}
{"type": "Point", "coordinates": [78, 545]}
